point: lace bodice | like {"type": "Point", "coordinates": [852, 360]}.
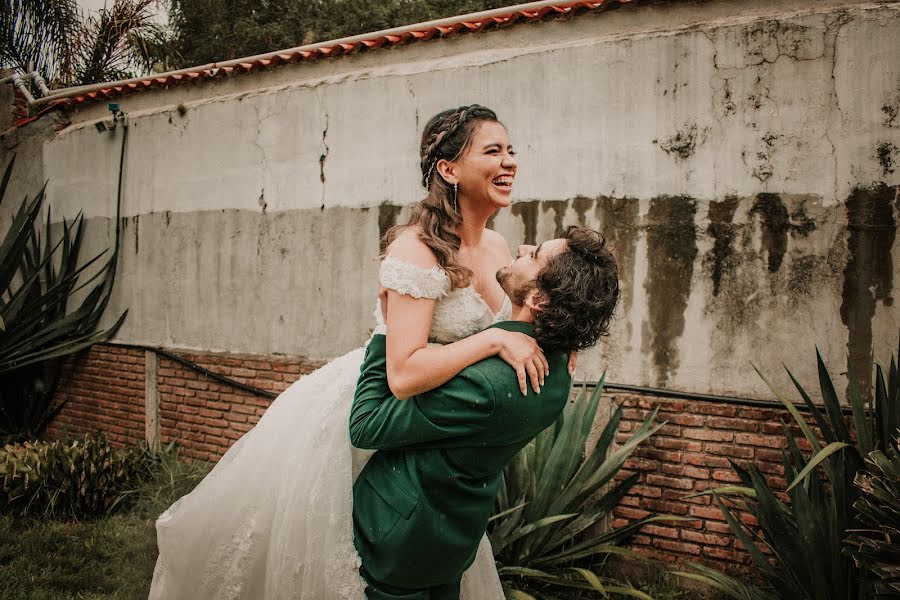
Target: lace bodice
{"type": "Point", "coordinates": [457, 314]}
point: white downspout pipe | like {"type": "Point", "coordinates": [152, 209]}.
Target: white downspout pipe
{"type": "Point", "coordinates": [19, 82]}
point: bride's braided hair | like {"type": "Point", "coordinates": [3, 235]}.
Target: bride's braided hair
{"type": "Point", "coordinates": [445, 137]}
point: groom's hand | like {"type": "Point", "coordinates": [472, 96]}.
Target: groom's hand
{"type": "Point", "coordinates": [524, 355]}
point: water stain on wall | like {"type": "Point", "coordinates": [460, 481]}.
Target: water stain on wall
{"type": "Point", "coordinates": [775, 226]}
{"type": "Point", "coordinates": [559, 212]}
{"type": "Point", "coordinates": [885, 153]}
{"type": "Point", "coordinates": [619, 224]}
{"type": "Point", "coordinates": [721, 259]}
{"type": "Point", "coordinates": [136, 219]}
{"type": "Point", "coordinates": [582, 205]}
{"type": "Point", "coordinates": [528, 212]}
{"type": "Point", "coordinates": [777, 223]}
{"type": "Point", "coordinates": [891, 110]}
{"type": "Point", "coordinates": [671, 250]}
{"type": "Point", "coordinates": [387, 218]}
{"type": "Point", "coordinates": [868, 275]}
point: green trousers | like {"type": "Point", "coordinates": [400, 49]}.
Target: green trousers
{"type": "Point", "coordinates": [376, 590]}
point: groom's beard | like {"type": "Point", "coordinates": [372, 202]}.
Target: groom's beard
{"type": "Point", "coordinates": [517, 291]}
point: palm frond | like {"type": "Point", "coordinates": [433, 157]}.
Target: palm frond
{"type": "Point", "coordinates": [38, 35]}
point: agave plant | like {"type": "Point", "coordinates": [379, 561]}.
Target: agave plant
{"type": "Point", "coordinates": [875, 547]}
{"type": "Point", "coordinates": [554, 496]}
{"type": "Point", "coordinates": [820, 511]}
{"type": "Point", "coordinates": [36, 280]}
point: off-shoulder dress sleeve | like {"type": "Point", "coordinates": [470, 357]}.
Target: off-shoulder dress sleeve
{"type": "Point", "coordinates": [409, 279]}
{"type": "Point", "coordinates": [413, 280]}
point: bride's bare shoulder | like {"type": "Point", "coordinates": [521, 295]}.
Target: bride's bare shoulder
{"type": "Point", "coordinates": [408, 247]}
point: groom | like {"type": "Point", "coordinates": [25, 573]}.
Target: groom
{"type": "Point", "coordinates": [422, 503]}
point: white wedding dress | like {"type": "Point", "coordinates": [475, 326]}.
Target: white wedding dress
{"type": "Point", "coordinates": [273, 519]}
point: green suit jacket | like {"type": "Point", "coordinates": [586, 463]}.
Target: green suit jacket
{"type": "Point", "coordinates": [422, 502]}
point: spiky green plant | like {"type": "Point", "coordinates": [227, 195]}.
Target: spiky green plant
{"type": "Point", "coordinates": [77, 478]}
{"type": "Point", "coordinates": [806, 534]}
{"type": "Point", "coordinates": [37, 278]}
{"type": "Point", "coordinates": [875, 546]}
{"type": "Point", "coordinates": [554, 495]}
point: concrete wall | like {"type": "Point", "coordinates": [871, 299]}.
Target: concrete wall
{"type": "Point", "coordinates": [26, 145]}
{"type": "Point", "coordinates": [743, 160]}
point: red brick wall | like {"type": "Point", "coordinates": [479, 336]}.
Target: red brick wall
{"type": "Point", "coordinates": [691, 454]}
{"type": "Point", "coordinates": [207, 417]}
{"type": "Point", "coordinates": [104, 389]}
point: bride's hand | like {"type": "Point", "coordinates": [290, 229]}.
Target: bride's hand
{"type": "Point", "coordinates": [525, 356]}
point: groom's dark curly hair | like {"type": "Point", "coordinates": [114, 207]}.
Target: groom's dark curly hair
{"type": "Point", "coordinates": [581, 288]}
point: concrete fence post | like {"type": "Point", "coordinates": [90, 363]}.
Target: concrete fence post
{"type": "Point", "coordinates": [151, 400]}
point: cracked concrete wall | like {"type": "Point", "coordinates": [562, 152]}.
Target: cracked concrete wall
{"type": "Point", "coordinates": [741, 160]}
{"type": "Point", "coordinates": [25, 144]}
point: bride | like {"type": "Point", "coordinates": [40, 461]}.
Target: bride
{"type": "Point", "coordinates": [273, 519]}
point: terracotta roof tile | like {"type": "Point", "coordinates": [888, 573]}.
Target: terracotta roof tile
{"type": "Point", "coordinates": [514, 17]}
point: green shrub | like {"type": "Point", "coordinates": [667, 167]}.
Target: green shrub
{"type": "Point", "coordinates": [547, 532]}
{"type": "Point", "coordinates": [806, 536]}
{"type": "Point", "coordinates": [82, 477]}
{"type": "Point", "coordinates": [875, 546]}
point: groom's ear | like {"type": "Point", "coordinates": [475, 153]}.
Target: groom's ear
{"type": "Point", "coordinates": [536, 301]}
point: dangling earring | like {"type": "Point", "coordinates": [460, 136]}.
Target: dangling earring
{"type": "Point", "coordinates": [456, 196]}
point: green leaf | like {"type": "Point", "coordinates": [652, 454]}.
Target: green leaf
{"type": "Point", "coordinates": [739, 531]}
{"type": "Point", "coordinates": [832, 403]}
{"type": "Point", "coordinates": [529, 528]}
{"type": "Point", "coordinates": [726, 490]}
{"type": "Point", "coordinates": [815, 460]}
{"type": "Point", "coordinates": [506, 512]}
{"type": "Point", "coordinates": [726, 584]}
{"type": "Point", "coordinates": [863, 426]}
{"type": "Point", "coordinates": [592, 580]}
{"type": "Point", "coordinates": [628, 591]}
{"type": "Point", "coordinates": [801, 422]}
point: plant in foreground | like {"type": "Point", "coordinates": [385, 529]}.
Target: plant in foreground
{"type": "Point", "coordinates": [806, 535]}
{"type": "Point", "coordinates": [875, 546]}
{"type": "Point", "coordinates": [552, 499]}
{"type": "Point", "coordinates": [82, 477]}
{"type": "Point", "coordinates": [37, 278]}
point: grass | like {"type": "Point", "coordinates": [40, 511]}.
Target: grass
{"type": "Point", "coordinates": [655, 579]}
{"type": "Point", "coordinates": [110, 558]}
{"type": "Point", "coordinates": [106, 559]}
